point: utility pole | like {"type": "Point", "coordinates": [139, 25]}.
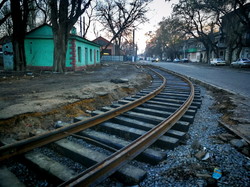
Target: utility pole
{"type": "Point", "coordinates": [133, 57]}
{"type": "Point", "coordinates": [81, 25]}
{"type": "Point", "coordinates": [184, 50]}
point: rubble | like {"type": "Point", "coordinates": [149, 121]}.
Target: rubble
{"type": "Point", "coordinates": [184, 166]}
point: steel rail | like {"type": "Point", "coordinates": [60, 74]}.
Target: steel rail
{"type": "Point", "coordinates": [102, 170]}
{"type": "Point", "coordinates": [28, 144]}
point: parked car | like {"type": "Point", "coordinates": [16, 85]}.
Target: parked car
{"type": "Point", "coordinates": [217, 62]}
{"type": "Point", "coordinates": [176, 60]}
{"type": "Point", "coordinates": [155, 60]}
{"type": "Point", "coordinates": [184, 60]}
{"type": "Point", "coordinates": [241, 62]}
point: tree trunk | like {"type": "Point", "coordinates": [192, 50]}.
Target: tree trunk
{"type": "Point", "coordinates": [64, 15]}
{"type": "Point", "coordinates": [207, 55]}
{"type": "Point", "coordinates": [216, 51]}
{"type": "Point", "coordinates": [19, 56]}
{"type": "Point", "coordinates": [119, 46]}
{"type": "Point", "coordinates": [60, 50]}
{"type": "Point", "coordinates": [230, 54]}
{"type": "Point", "coordinates": [19, 19]}
{"type": "Point", "coordinates": [238, 51]}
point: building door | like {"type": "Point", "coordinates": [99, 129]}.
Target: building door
{"type": "Point", "coordinates": [8, 60]}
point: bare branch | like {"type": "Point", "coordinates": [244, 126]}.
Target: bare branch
{"type": "Point", "coordinates": [118, 16]}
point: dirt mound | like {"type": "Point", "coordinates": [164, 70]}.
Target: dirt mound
{"type": "Point", "coordinates": [37, 100]}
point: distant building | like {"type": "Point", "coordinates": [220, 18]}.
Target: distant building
{"type": "Point", "coordinates": [237, 34]}
{"type": "Point", "coordinates": [232, 41]}
{"type": "Point", "coordinates": [196, 51]}
{"type": "Point", "coordinates": [110, 50]}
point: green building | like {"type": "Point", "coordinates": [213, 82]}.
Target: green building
{"type": "Point", "coordinates": [39, 50]}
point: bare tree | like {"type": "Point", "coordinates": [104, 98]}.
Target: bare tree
{"type": "Point", "coordinates": [90, 19]}
{"type": "Point", "coordinates": [44, 10]}
{"type": "Point", "coordinates": [199, 23]}
{"type": "Point", "coordinates": [95, 30]}
{"type": "Point", "coordinates": [118, 16]}
{"type": "Point", "coordinates": [19, 12]}
{"type": "Point", "coordinates": [228, 13]}
{"type": "Point", "coordinates": [4, 14]}
{"type": "Point", "coordinates": [169, 36]}
{"type": "Point", "coordinates": [64, 14]}
{"type": "Point", "coordinates": [203, 18]}
{"type": "Point", "coordinates": [86, 20]}
{"type": "Point", "coordinates": [5, 21]}
{"type": "Point", "coordinates": [241, 9]}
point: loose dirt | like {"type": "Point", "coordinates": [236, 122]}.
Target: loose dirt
{"type": "Point", "coordinates": [235, 110]}
{"type": "Point", "coordinates": [33, 101]}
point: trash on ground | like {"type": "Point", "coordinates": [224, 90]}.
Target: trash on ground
{"type": "Point", "coordinates": [217, 173]}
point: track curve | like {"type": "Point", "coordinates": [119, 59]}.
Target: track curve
{"type": "Point", "coordinates": [164, 89]}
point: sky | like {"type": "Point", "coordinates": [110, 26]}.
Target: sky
{"type": "Point", "coordinates": [158, 10]}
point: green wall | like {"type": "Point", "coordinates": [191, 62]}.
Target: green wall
{"type": "Point", "coordinates": [86, 54]}
{"type": "Point", "coordinates": [39, 52]}
{"type": "Point", "coordinates": [39, 48]}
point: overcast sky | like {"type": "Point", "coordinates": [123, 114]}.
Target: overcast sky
{"type": "Point", "coordinates": [159, 9]}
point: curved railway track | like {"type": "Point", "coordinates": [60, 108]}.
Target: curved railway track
{"type": "Point", "coordinates": [137, 127]}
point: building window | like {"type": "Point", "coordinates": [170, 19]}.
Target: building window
{"type": "Point", "coordinates": [90, 55]}
{"type": "Point", "coordinates": [86, 55]}
{"type": "Point", "coordinates": [79, 54]}
{"type": "Point", "coordinates": [97, 55]}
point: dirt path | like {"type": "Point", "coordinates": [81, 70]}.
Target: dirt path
{"type": "Point", "coordinates": [33, 101]}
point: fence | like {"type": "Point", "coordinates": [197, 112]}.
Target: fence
{"type": "Point", "coordinates": [112, 58]}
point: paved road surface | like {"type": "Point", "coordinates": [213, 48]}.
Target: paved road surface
{"type": "Point", "coordinates": [232, 79]}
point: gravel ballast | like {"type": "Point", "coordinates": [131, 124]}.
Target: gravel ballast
{"type": "Point", "coordinates": [184, 165]}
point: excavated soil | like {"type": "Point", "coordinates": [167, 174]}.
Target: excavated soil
{"type": "Point", "coordinates": [234, 109]}
{"type": "Point", "coordinates": [35, 101]}
{"type": "Point", "coordinates": [235, 112]}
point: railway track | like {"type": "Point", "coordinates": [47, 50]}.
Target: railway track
{"type": "Point", "coordinates": [138, 128]}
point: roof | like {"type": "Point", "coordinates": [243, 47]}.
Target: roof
{"type": "Point", "coordinates": [101, 41]}
{"type": "Point", "coordinates": [5, 39]}
{"type": "Point", "coordinates": [83, 40]}
{"type": "Point", "coordinates": [45, 32]}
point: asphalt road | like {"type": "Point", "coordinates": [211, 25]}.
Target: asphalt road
{"type": "Point", "coordinates": [231, 79]}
